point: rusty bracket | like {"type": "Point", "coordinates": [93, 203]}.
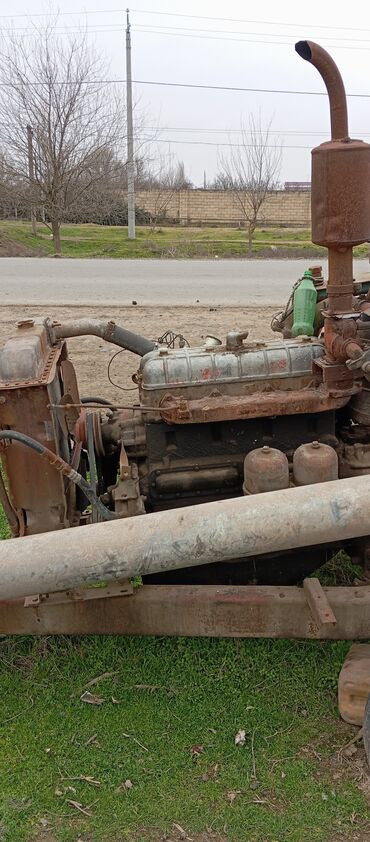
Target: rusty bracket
{"type": "Point", "coordinates": [318, 602]}
{"type": "Point", "coordinates": [122, 588]}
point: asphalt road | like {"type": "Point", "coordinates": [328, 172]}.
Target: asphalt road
{"type": "Point", "coordinates": [150, 282]}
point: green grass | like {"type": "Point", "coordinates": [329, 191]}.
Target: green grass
{"type": "Point", "coordinates": [288, 782]}
{"type": "Point", "coordinates": [178, 242]}
{"type": "Point", "coordinates": [281, 693]}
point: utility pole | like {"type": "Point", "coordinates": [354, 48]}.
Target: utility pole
{"type": "Point", "coordinates": [130, 138]}
{"type": "Point", "coordinates": [31, 176]}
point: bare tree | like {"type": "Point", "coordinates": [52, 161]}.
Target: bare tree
{"type": "Point", "coordinates": [222, 181]}
{"type": "Point", "coordinates": [251, 171]}
{"type": "Point", "coordinates": [164, 179]}
{"type": "Point", "coordinates": [53, 84]}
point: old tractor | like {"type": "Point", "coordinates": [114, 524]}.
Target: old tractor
{"type": "Point", "coordinates": [205, 505]}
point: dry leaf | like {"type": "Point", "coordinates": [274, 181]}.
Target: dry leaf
{"type": "Point", "coordinates": [58, 792]}
{"type": "Point", "coordinates": [85, 810]}
{"type": "Point", "coordinates": [181, 830]}
{"type": "Point", "coordinates": [350, 750]}
{"type": "Point", "coordinates": [115, 701]}
{"type": "Point", "coordinates": [240, 738]}
{"type": "Point", "coordinates": [125, 786]}
{"type": "Point", "coordinates": [98, 678]}
{"type": "Point", "coordinates": [89, 780]}
{"type": "Point", "coordinates": [211, 773]}
{"type": "Point", "coordinates": [92, 740]}
{"type": "Point", "coordinates": [86, 778]}
{"type": "Point", "coordinates": [90, 699]}
{"type": "Point", "coordinates": [232, 794]}
{"type": "Point", "coordinates": [44, 823]}
{"type": "Point", "coordinates": [196, 750]}
{"type": "Point", "coordinates": [258, 800]}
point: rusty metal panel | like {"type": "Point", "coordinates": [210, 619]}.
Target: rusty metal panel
{"type": "Point", "coordinates": [197, 611]}
{"type": "Point", "coordinates": [318, 602]}
{"type": "Point", "coordinates": [340, 199]}
{"type": "Point", "coordinates": [216, 407]}
{"type": "Point", "coordinates": [30, 381]}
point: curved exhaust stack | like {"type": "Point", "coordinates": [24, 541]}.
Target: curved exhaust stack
{"type": "Point", "coordinates": [340, 207]}
{"type": "Point", "coordinates": [327, 68]}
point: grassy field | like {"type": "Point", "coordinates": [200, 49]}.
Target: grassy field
{"type": "Point", "coordinates": [157, 759]}
{"type": "Point", "coordinates": [103, 241]}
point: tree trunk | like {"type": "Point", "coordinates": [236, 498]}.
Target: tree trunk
{"type": "Point", "coordinates": [55, 227]}
{"type": "Point", "coordinates": [250, 239]}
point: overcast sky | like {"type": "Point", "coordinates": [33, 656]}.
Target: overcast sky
{"type": "Point", "coordinates": [254, 50]}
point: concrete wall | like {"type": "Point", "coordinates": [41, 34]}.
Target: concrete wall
{"type": "Point", "coordinates": [221, 207]}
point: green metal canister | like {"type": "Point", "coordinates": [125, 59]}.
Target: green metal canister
{"type": "Point", "coordinates": [304, 308]}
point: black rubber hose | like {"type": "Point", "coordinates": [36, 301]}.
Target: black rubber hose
{"type": "Point", "coordinates": [102, 401]}
{"type": "Point", "coordinates": [60, 465]}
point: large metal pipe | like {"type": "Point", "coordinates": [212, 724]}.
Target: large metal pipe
{"type": "Point", "coordinates": [210, 532]}
{"type": "Point", "coordinates": [339, 202]}
{"type": "Point", "coordinates": [105, 330]}
{"type": "Point", "coordinates": [320, 58]}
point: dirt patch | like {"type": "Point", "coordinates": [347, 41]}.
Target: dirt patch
{"type": "Point", "coordinates": [44, 836]}
{"type": "Point", "coordinates": [91, 356]}
{"type": "Point", "coordinates": [176, 834]}
{"type": "Point", "coordinates": [11, 248]}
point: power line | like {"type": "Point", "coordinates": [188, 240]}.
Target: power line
{"type": "Point", "coordinates": [155, 12]}
{"type": "Point", "coordinates": [222, 143]}
{"type": "Point", "coordinates": [243, 32]}
{"type": "Point", "coordinates": [243, 40]}
{"type": "Point", "coordinates": [59, 14]}
{"type": "Point", "coordinates": [236, 88]}
{"type": "Point", "coordinates": [245, 20]}
{"type": "Point", "coordinates": [182, 29]}
{"type": "Point", "coordinates": [280, 133]}
{"type": "Point", "coordinates": [142, 29]}
{"type": "Point", "coordinates": [191, 85]}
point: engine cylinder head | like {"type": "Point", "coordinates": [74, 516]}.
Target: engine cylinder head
{"type": "Point", "coordinates": [314, 462]}
{"type": "Point", "coordinates": [265, 469]}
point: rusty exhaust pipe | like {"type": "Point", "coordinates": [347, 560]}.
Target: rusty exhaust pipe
{"type": "Point", "coordinates": [327, 68]}
{"type": "Point", "coordinates": [187, 537]}
{"type": "Point", "coordinates": [340, 206]}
